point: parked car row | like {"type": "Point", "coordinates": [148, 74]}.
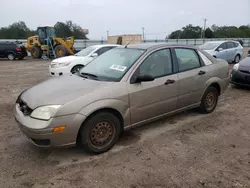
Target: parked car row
{"type": "Point", "coordinates": [231, 51]}
{"type": "Point", "coordinates": [240, 74]}
{"type": "Point", "coordinates": [124, 87]}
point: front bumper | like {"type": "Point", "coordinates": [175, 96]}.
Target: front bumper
{"type": "Point", "coordinates": [46, 137]}
{"type": "Point", "coordinates": [240, 78]}
{"type": "Point", "coordinates": [60, 71]}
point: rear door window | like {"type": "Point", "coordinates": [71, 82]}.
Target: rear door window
{"type": "Point", "coordinates": [236, 44]}
{"type": "Point", "coordinates": [157, 64]}
{"type": "Point", "coordinates": [230, 45]}
{"type": "Point", "coordinates": [188, 59]}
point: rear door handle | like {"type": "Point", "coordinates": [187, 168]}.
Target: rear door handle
{"type": "Point", "coordinates": [169, 82]}
{"type": "Point", "coordinates": [202, 72]}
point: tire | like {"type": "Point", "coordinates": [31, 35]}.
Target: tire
{"type": "Point", "coordinates": [60, 51]}
{"type": "Point", "coordinates": [209, 100]}
{"type": "Point", "coordinates": [36, 52]}
{"type": "Point", "coordinates": [11, 57]}
{"type": "Point", "coordinates": [237, 59]}
{"type": "Point", "coordinates": [76, 68]}
{"type": "Point", "coordinates": [92, 133]}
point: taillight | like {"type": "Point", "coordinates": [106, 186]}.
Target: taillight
{"type": "Point", "coordinates": [18, 49]}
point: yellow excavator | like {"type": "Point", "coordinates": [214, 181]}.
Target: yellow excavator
{"type": "Point", "coordinates": [46, 43]}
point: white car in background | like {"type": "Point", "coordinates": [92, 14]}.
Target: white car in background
{"type": "Point", "coordinates": [72, 64]}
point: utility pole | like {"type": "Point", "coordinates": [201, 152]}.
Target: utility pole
{"type": "Point", "coordinates": [143, 34]}
{"type": "Point", "coordinates": [205, 22]}
{"type": "Point", "coordinates": [107, 34]}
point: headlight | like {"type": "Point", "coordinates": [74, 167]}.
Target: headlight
{"type": "Point", "coordinates": [63, 64]}
{"type": "Point", "coordinates": [236, 67]}
{"type": "Point", "coordinates": [45, 112]}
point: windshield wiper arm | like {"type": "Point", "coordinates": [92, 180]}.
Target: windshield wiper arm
{"type": "Point", "coordinates": [89, 75]}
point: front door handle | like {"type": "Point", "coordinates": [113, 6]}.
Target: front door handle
{"type": "Point", "coordinates": [169, 82]}
{"type": "Point", "coordinates": [202, 72]}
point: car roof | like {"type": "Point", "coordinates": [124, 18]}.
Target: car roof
{"type": "Point", "coordinates": [221, 41]}
{"type": "Point", "coordinates": [104, 45]}
{"type": "Point", "coordinates": [151, 46]}
{"type": "Point", "coordinates": [8, 43]}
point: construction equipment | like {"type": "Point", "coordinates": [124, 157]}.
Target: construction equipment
{"type": "Point", "coordinates": [46, 43]}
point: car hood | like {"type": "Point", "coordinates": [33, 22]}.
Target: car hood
{"type": "Point", "coordinates": [60, 90]}
{"type": "Point", "coordinates": [245, 64]}
{"type": "Point", "coordinates": [82, 61]}
{"type": "Point", "coordinates": [211, 52]}
{"type": "Point", "coordinates": [68, 59]}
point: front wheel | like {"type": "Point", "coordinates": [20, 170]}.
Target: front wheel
{"type": "Point", "coordinates": [100, 132]}
{"type": "Point", "coordinates": [36, 52]}
{"type": "Point", "coordinates": [237, 59]}
{"type": "Point", "coordinates": [209, 100]}
{"type": "Point", "coordinates": [60, 51]}
{"type": "Point", "coordinates": [76, 69]}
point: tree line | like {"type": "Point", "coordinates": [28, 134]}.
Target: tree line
{"type": "Point", "coordinates": [19, 30]}
{"type": "Point", "coordinates": [192, 32]}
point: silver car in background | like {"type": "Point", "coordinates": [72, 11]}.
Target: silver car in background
{"type": "Point", "coordinates": [231, 51]}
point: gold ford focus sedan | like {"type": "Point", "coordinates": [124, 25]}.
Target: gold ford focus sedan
{"type": "Point", "coordinates": [125, 87]}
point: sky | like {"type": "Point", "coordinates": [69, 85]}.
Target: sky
{"type": "Point", "coordinates": [158, 17]}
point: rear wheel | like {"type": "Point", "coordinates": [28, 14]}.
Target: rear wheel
{"type": "Point", "coordinates": [61, 51]}
{"type": "Point", "coordinates": [36, 52]}
{"type": "Point", "coordinates": [76, 69]}
{"type": "Point", "coordinates": [209, 100]}
{"type": "Point", "coordinates": [237, 58]}
{"type": "Point", "coordinates": [11, 56]}
{"type": "Point", "coordinates": [100, 132]}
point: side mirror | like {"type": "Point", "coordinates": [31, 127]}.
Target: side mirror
{"type": "Point", "coordinates": [144, 78]}
{"type": "Point", "coordinates": [220, 49]}
{"type": "Point", "coordinates": [94, 55]}
{"type": "Point", "coordinates": [249, 53]}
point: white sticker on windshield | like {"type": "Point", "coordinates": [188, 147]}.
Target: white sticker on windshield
{"type": "Point", "coordinates": [118, 67]}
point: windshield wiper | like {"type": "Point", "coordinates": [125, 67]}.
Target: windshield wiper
{"type": "Point", "coordinates": [89, 75]}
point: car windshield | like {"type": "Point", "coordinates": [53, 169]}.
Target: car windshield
{"type": "Point", "coordinates": [86, 51]}
{"type": "Point", "coordinates": [112, 65]}
{"type": "Point", "coordinates": [209, 46]}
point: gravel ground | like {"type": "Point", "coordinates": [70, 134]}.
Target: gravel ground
{"type": "Point", "coordinates": [186, 150]}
